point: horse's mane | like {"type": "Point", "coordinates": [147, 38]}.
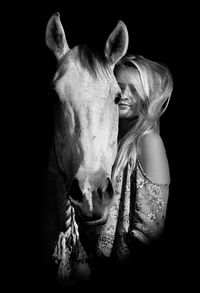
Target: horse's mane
{"type": "Point", "coordinates": [93, 60]}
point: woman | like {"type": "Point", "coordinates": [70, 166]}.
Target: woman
{"type": "Point", "coordinates": [141, 173]}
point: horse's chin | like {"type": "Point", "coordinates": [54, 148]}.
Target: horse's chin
{"type": "Point", "coordinates": [94, 221]}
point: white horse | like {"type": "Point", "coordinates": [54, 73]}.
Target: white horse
{"type": "Point", "coordinates": [85, 136]}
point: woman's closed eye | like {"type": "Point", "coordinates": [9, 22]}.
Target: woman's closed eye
{"type": "Point", "coordinates": [132, 89]}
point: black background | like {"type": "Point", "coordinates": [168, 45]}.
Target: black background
{"type": "Point", "coordinates": [163, 33]}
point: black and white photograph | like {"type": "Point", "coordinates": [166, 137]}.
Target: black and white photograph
{"type": "Point", "coordinates": [101, 129]}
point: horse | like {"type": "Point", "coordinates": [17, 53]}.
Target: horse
{"type": "Point", "coordinates": [85, 94]}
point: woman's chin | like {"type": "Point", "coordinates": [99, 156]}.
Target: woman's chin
{"type": "Point", "coordinates": [126, 112]}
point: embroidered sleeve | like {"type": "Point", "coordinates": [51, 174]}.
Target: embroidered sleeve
{"type": "Point", "coordinates": [150, 208]}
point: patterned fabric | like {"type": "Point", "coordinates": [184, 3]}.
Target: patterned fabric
{"type": "Point", "coordinates": [138, 209]}
{"type": "Point", "coordinates": [138, 213]}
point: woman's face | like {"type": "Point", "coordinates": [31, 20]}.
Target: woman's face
{"type": "Point", "coordinates": [129, 100]}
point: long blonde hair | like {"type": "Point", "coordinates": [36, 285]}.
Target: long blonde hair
{"type": "Point", "coordinates": [153, 83]}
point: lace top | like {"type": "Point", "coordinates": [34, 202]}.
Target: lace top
{"type": "Point", "coordinates": [138, 209]}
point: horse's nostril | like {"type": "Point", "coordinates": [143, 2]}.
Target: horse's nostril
{"type": "Point", "coordinates": [75, 191]}
{"type": "Point", "coordinates": [109, 189]}
{"type": "Point", "coordinates": [107, 192]}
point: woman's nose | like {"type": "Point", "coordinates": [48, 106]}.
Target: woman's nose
{"type": "Point", "coordinates": [124, 98]}
{"type": "Point", "coordinates": [126, 94]}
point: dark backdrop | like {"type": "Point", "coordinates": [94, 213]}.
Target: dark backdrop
{"type": "Point", "coordinates": [158, 32]}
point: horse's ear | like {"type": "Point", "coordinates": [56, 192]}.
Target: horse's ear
{"type": "Point", "coordinates": [117, 43]}
{"type": "Point", "coordinates": [55, 36]}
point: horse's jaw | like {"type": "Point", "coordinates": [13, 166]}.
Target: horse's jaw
{"type": "Point", "coordinates": [98, 222]}
{"type": "Point", "coordinates": [89, 218]}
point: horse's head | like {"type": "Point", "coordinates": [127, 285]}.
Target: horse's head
{"type": "Point", "coordinates": [86, 117]}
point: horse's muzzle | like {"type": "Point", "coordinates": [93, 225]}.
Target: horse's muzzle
{"type": "Point", "coordinates": [92, 200]}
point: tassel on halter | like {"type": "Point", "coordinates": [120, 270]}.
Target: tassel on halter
{"type": "Point", "coordinates": [66, 250]}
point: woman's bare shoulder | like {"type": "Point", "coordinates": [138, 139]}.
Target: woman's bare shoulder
{"type": "Point", "coordinates": [153, 158]}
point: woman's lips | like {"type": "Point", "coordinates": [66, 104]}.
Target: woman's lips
{"type": "Point", "coordinates": [124, 105]}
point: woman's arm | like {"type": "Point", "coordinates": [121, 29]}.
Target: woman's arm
{"type": "Point", "coordinates": [154, 159]}
{"type": "Point", "coordinates": [152, 191]}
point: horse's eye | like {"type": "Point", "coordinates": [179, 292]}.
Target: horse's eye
{"type": "Point", "coordinates": [118, 98]}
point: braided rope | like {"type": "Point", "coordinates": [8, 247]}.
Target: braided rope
{"type": "Point", "coordinates": [67, 244]}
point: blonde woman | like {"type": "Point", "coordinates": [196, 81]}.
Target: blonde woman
{"type": "Point", "coordinates": [141, 173]}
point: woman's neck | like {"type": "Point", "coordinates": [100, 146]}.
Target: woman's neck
{"type": "Point", "coordinates": [125, 125]}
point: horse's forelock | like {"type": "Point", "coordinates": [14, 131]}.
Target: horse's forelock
{"type": "Point", "coordinates": [94, 61]}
